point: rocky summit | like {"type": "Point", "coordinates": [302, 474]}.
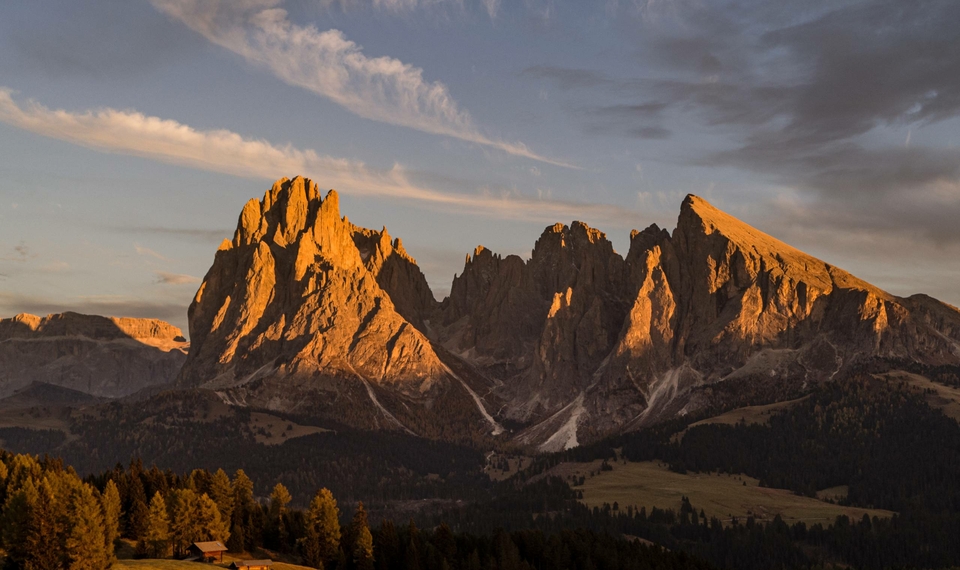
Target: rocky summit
{"type": "Point", "coordinates": [99, 356]}
{"type": "Point", "coordinates": [305, 312]}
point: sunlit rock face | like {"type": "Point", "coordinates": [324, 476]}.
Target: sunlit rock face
{"type": "Point", "coordinates": [304, 311]}
{"type": "Point", "coordinates": [101, 356]}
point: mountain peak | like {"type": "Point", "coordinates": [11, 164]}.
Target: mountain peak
{"type": "Point", "coordinates": [307, 312]}
{"type": "Point", "coordinates": [307, 300]}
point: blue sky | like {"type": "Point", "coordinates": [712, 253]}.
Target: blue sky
{"type": "Point", "coordinates": [131, 133]}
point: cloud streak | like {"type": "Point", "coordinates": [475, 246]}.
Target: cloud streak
{"type": "Point", "coordinates": [164, 140]}
{"type": "Point", "coordinates": [165, 278]}
{"type": "Point", "coordinates": [491, 7]}
{"type": "Point", "coordinates": [189, 234]}
{"type": "Point", "coordinates": [326, 63]}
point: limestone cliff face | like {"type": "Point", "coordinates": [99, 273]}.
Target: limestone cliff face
{"type": "Point", "coordinates": [101, 356]}
{"type": "Point", "coordinates": [541, 326]}
{"type": "Point", "coordinates": [303, 311]}
{"type": "Point", "coordinates": [602, 343]}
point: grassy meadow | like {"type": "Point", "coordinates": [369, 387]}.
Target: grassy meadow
{"type": "Point", "coordinates": [650, 484]}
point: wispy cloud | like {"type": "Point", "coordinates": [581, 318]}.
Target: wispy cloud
{"type": "Point", "coordinates": [327, 63]}
{"type": "Point", "coordinates": [164, 278]}
{"type": "Point", "coordinates": [132, 133]}
{"type": "Point", "coordinates": [191, 234]}
{"type": "Point", "coordinates": [492, 7]}
{"type": "Point", "coordinates": [148, 252]}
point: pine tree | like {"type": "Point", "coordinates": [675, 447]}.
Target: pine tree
{"type": "Point", "coordinates": [279, 499]}
{"type": "Point", "coordinates": [86, 549]}
{"type": "Point", "coordinates": [199, 481]}
{"type": "Point", "coordinates": [221, 491]}
{"type": "Point", "coordinates": [18, 519]}
{"type": "Point", "coordinates": [242, 490]}
{"type": "Point", "coordinates": [110, 501]}
{"type": "Point", "coordinates": [49, 525]}
{"type": "Point", "coordinates": [244, 537]}
{"type": "Point", "coordinates": [321, 543]}
{"type": "Point", "coordinates": [156, 541]}
{"type": "Point", "coordinates": [445, 542]}
{"type": "Point", "coordinates": [212, 526]}
{"type": "Point", "coordinates": [362, 548]}
{"type": "Point", "coordinates": [237, 541]}
{"type": "Point", "coordinates": [138, 512]}
{"type": "Point", "coordinates": [387, 550]}
{"type": "Point", "coordinates": [183, 526]}
{"type": "Point", "coordinates": [411, 557]}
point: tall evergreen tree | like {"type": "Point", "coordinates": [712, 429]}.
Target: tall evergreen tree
{"type": "Point", "coordinates": [17, 528]}
{"type": "Point", "coordinates": [110, 502]}
{"type": "Point", "coordinates": [184, 529]}
{"type": "Point", "coordinates": [411, 556]}
{"type": "Point", "coordinates": [237, 542]}
{"type": "Point", "coordinates": [445, 543]}
{"type": "Point", "coordinates": [221, 491]}
{"type": "Point", "coordinates": [86, 549]}
{"type": "Point", "coordinates": [387, 546]}
{"type": "Point", "coordinates": [362, 547]}
{"type": "Point", "coordinates": [321, 543]}
{"type": "Point", "coordinates": [137, 512]}
{"type": "Point", "coordinates": [155, 543]}
{"type": "Point", "coordinates": [242, 492]}
{"type": "Point", "coordinates": [49, 528]}
{"type": "Point", "coordinates": [199, 481]}
{"type": "Point", "coordinates": [212, 526]}
{"type": "Point", "coordinates": [279, 499]}
{"type": "Point", "coordinates": [244, 534]}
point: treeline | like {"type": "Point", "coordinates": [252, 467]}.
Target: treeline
{"type": "Point", "coordinates": [51, 519]}
{"type": "Point", "coordinates": [550, 507]}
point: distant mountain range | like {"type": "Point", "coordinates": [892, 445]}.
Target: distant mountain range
{"type": "Point", "coordinates": [303, 311]}
{"type": "Point", "coordinates": [99, 356]}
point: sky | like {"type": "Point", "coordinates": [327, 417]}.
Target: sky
{"type": "Point", "coordinates": [132, 133]}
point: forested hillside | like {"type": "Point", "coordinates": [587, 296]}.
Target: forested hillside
{"type": "Point", "coordinates": [181, 432]}
{"type": "Point", "coordinates": [51, 519]}
{"type": "Point", "coordinates": [879, 438]}
{"type": "Point", "coordinates": [876, 438]}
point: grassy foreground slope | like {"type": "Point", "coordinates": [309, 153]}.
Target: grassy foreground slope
{"type": "Point", "coordinates": [649, 484]}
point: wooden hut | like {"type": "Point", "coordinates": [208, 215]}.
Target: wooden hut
{"type": "Point", "coordinates": [251, 564]}
{"type": "Point", "coordinates": [208, 551]}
